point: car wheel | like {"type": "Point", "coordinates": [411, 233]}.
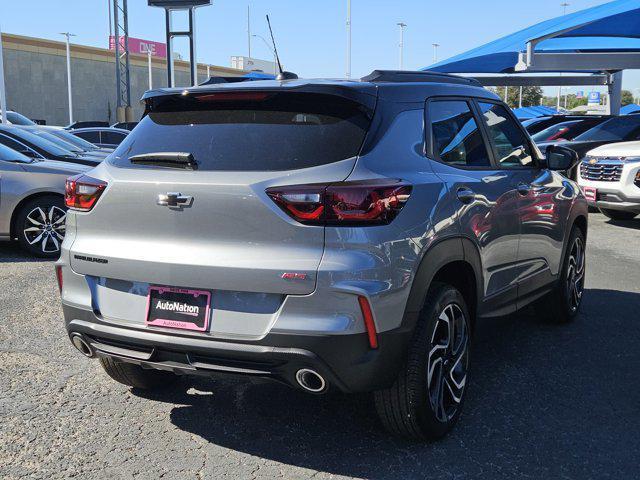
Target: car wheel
{"type": "Point", "coordinates": [618, 214]}
{"type": "Point", "coordinates": [562, 305]}
{"type": "Point", "coordinates": [40, 226]}
{"type": "Point", "coordinates": [427, 397]}
{"type": "Point", "coordinates": [136, 376]}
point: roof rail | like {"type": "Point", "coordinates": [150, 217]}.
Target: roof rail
{"type": "Point", "coordinates": [417, 76]}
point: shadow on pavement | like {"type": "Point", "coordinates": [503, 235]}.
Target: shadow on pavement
{"type": "Point", "coordinates": [11, 252]}
{"type": "Point", "coordinates": [545, 401]}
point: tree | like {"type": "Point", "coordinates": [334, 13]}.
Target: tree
{"type": "Point", "coordinates": [627, 97]}
{"type": "Point", "coordinates": [531, 96]}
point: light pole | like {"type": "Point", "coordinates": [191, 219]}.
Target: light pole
{"type": "Point", "coordinates": [564, 6]}
{"type": "Point", "coordinates": [401, 44]}
{"type": "Point", "coordinates": [150, 69]}
{"type": "Point", "coordinates": [67, 36]}
{"type": "Point", "coordinates": [435, 52]}
{"type": "Point", "coordinates": [348, 38]}
{"type": "Point", "coordinates": [273, 52]}
{"type": "Point", "coordinates": [3, 93]}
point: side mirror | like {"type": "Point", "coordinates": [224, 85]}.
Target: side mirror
{"type": "Point", "coordinates": [560, 158]}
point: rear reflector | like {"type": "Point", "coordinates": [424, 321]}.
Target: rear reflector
{"type": "Point", "coordinates": [361, 203]}
{"type": "Point", "coordinates": [367, 315]}
{"type": "Point", "coordinates": [82, 192]}
{"type": "Point", "coordinates": [59, 277]}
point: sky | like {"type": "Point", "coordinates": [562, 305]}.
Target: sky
{"type": "Point", "coordinates": [310, 34]}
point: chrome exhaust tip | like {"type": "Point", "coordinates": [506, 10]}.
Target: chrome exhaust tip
{"type": "Point", "coordinates": [82, 345]}
{"type": "Point", "coordinates": [310, 380]}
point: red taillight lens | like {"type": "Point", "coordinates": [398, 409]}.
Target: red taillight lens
{"type": "Point", "coordinates": [342, 203]}
{"type": "Point", "coordinates": [82, 192]}
{"type": "Point", "coordinates": [59, 277]}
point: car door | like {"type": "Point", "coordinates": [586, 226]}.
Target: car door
{"type": "Point", "coordinates": [484, 197]}
{"type": "Point", "coordinates": [544, 199]}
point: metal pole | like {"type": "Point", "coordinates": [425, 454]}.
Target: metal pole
{"type": "Point", "coordinates": [192, 47]}
{"type": "Point", "coordinates": [506, 95]}
{"type": "Point", "coordinates": [520, 98]}
{"type": "Point", "coordinates": [564, 6]}
{"type": "Point", "coordinates": [3, 92]}
{"type": "Point", "coordinates": [559, 95]}
{"type": "Point", "coordinates": [401, 45]}
{"type": "Point", "coordinates": [109, 7]}
{"type": "Point", "coordinates": [208, 72]}
{"type": "Point", "coordinates": [348, 38]}
{"type": "Point", "coordinates": [150, 69]}
{"type": "Point", "coordinates": [125, 20]}
{"type": "Point", "coordinates": [67, 35]}
{"type": "Point", "coordinates": [169, 47]}
{"type": "Point", "coordinates": [435, 52]}
{"type": "Point", "coordinates": [249, 28]}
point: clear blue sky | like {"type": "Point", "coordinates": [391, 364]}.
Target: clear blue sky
{"type": "Point", "coordinates": [310, 33]}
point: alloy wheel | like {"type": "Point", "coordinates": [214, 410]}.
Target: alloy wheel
{"type": "Point", "coordinates": [448, 362]}
{"type": "Point", "coordinates": [45, 230]}
{"type": "Point", "coordinates": [575, 274]}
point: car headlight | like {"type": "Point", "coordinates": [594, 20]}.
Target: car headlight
{"type": "Point", "coordinates": [630, 159]}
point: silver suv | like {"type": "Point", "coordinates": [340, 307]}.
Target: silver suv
{"type": "Point", "coordinates": [327, 234]}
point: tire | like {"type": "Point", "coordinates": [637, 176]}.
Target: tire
{"type": "Point", "coordinates": [563, 304]}
{"type": "Point", "coordinates": [136, 376]}
{"type": "Point", "coordinates": [40, 226]}
{"type": "Point", "coordinates": [422, 405]}
{"type": "Point", "coordinates": [618, 214]}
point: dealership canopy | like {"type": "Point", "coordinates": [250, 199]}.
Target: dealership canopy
{"type": "Point", "coordinates": [602, 41]}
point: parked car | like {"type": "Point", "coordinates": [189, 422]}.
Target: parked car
{"type": "Point", "coordinates": [32, 209]}
{"type": "Point", "coordinates": [616, 129]}
{"type": "Point", "coordinates": [103, 137]}
{"type": "Point", "coordinates": [62, 137]}
{"type": "Point", "coordinates": [15, 118]}
{"type": "Point", "coordinates": [567, 131]}
{"type": "Point", "coordinates": [35, 146]}
{"type": "Point", "coordinates": [125, 125]}
{"type": "Point", "coordinates": [87, 124]}
{"type": "Point", "coordinates": [610, 179]}
{"type": "Point", "coordinates": [535, 125]}
{"type": "Point", "coordinates": [305, 231]}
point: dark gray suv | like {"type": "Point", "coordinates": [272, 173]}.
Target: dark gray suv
{"type": "Point", "coordinates": [329, 234]}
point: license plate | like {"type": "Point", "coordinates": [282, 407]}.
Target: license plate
{"type": "Point", "coordinates": [178, 308]}
{"type": "Point", "coordinates": [590, 193]}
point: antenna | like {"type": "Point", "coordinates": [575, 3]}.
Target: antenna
{"type": "Point", "coordinates": [282, 75]}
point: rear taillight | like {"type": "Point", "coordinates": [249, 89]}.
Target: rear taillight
{"type": "Point", "coordinates": [361, 203]}
{"type": "Point", "coordinates": [82, 192]}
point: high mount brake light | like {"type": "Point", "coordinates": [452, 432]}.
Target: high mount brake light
{"type": "Point", "coordinates": [233, 97]}
{"type": "Point", "coordinates": [342, 204]}
{"type": "Point", "coordinates": [81, 192]}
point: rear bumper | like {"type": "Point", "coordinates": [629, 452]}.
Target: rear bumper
{"type": "Point", "coordinates": [345, 361]}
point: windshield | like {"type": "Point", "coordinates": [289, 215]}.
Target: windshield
{"type": "Point", "coordinates": [42, 143]}
{"type": "Point", "coordinates": [10, 155]}
{"type": "Point", "coordinates": [554, 132]}
{"type": "Point", "coordinates": [17, 119]}
{"type": "Point", "coordinates": [267, 132]}
{"type": "Point", "coordinates": [74, 140]}
{"type": "Point", "coordinates": [619, 128]}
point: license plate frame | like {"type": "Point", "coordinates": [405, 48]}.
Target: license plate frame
{"type": "Point", "coordinates": [178, 312]}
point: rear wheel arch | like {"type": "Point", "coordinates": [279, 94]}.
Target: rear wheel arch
{"type": "Point", "coordinates": [454, 261]}
{"type": "Point", "coordinates": [23, 202]}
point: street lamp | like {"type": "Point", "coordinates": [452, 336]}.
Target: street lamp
{"type": "Point", "coordinates": [67, 35]}
{"type": "Point", "coordinates": [435, 52]}
{"type": "Point", "coordinates": [273, 52]}
{"type": "Point", "coordinates": [401, 44]}
{"type": "Point", "coordinates": [564, 6]}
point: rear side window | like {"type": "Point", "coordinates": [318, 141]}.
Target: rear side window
{"type": "Point", "coordinates": [93, 137]}
{"type": "Point", "coordinates": [112, 138]}
{"type": "Point", "coordinates": [251, 131]}
{"type": "Point", "coordinates": [456, 137]}
{"type": "Point", "coordinates": [511, 144]}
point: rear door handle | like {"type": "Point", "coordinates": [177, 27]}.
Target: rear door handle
{"type": "Point", "coordinates": [465, 195]}
{"type": "Point", "coordinates": [523, 189]}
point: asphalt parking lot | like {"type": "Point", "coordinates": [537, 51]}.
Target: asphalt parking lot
{"type": "Point", "coordinates": [545, 401]}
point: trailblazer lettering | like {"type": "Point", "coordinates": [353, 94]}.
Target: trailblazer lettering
{"type": "Point", "coordinates": [178, 307]}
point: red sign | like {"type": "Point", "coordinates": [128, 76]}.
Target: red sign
{"type": "Point", "coordinates": [140, 46]}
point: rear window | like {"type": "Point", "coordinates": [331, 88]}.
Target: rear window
{"type": "Point", "coordinates": [259, 132]}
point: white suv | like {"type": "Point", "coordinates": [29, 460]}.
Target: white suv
{"type": "Point", "coordinates": [610, 179]}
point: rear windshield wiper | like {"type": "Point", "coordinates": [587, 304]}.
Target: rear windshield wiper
{"type": "Point", "coordinates": [166, 159]}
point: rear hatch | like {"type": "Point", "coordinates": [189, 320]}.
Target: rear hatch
{"type": "Point", "coordinates": [227, 234]}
